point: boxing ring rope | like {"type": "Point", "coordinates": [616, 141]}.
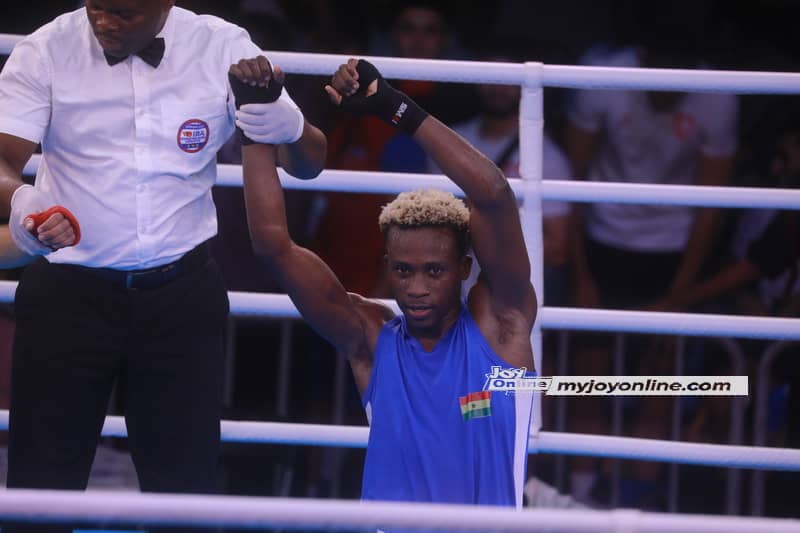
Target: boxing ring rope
{"type": "Point", "coordinates": [280, 306]}
{"type": "Point", "coordinates": [565, 191]}
{"type": "Point", "coordinates": [532, 77]}
{"type": "Point", "coordinates": [567, 76]}
{"type": "Point", "coordinates": [721, 455]}
{"type": "Point", "coordinates": [252, 513]}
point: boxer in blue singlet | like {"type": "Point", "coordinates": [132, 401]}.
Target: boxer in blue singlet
{"type": "Point", "coordinates": [436, 433]}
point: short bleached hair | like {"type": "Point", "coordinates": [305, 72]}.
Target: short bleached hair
{"type": "Point", "coordinates": [424, 208]}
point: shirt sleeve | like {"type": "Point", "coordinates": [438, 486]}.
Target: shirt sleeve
{"type": "Point", "coordinates": [719, 133]}
{"type": "Point", "coordinates": [25, 101]}
{"type": "Point", "coordinates": [588, 109]}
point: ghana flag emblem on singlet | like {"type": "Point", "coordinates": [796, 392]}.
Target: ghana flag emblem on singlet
{"type": "Point", "coordinates": [476, 405]}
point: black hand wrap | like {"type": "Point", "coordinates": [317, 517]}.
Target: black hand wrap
{"type": "Point", "coordinates": [244, 93]}
{"type": "Point", "coordinates": [390, 105]}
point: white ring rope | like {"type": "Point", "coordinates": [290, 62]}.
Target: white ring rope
{"type": "Point", "coordinates": [722, 455]}
{"type": "Point", "coordinates": [280, 306]}
{"type": "Point", "coordinates": [253, 513]}
{"type": "Point", "coordinates": [579, 77]}
{"type": "Point", "coordinates": [566, 191]}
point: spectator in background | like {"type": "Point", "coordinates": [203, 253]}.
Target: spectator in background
{"type": "Point", "coordinates": [652, 137]}
{"type": "Point", "coordinates": [418, 29]}
{"type": "Point", "coordinates": [565, 28]}
{"type": "Point", "coordinates": [766, 245]}
{"type": "Point", "coordinates": [268, 24]}
{"type": "Point", "coordinates": [495, 133]}
{"type": "Point", "coordinates": [421, 29]}
{"type": "Point", "coordinates": [626, 256]}
{"type": "Point", "coordinates": [761, 278]}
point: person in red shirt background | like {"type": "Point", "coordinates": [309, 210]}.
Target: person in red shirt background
{"type": "Point", "coordinates": [418, 29]}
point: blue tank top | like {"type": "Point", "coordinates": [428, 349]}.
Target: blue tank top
{"type": "Point", "coordinates": [435, 434]}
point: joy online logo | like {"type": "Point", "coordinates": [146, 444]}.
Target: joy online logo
{"type": "Point", "coordinates": [511, 379]}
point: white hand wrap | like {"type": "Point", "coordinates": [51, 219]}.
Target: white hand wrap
{"type": "Point", "coordinates": [278, 122]}
{"type": "Point", "coordinates": [26, 201]}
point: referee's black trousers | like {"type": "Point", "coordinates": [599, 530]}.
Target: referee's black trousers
{"type": "Point", "coordinates": [76, 334]}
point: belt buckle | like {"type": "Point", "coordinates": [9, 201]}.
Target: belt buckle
{"type": "Point", "coordinates": [163, 270]}
{"type": "Point", "coordinates": [131, 276]}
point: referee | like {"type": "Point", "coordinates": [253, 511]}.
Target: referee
{"type": "Point", "coordinates": [130, 101]}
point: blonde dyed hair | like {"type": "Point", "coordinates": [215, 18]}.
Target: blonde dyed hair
{"type": "Point", "coordinates": [427, 207]}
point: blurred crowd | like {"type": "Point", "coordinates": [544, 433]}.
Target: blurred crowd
{"type": "Point", "coordinates": [595, 255]}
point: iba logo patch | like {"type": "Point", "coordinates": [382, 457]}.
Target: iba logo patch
{"type": "Point", "coordinates": [193, 135]}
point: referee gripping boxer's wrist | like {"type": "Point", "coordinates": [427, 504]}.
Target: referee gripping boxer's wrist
{"type": "Point", "coordinates": [262, 116]}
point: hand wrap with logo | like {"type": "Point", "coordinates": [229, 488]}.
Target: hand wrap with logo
{"type": "Point", "coordinates": [245, 94]}
{"type": "Point", "coordinates": [387, 103]}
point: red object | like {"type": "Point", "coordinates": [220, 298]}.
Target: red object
{"type": "Point", "coordinates": [683, 125]}
{"type": "Point", "coordinates": [39, 218]}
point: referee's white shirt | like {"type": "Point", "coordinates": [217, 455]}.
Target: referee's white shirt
{"type": "Point", "coordinates": [129, 149]}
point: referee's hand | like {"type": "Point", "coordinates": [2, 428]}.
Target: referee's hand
{"type": "Point", "coordinates": [261, 115]}
{"type": "Point", "coordinates": [255, 71]}
{"type": "Point", "coordinates": [55, 228]}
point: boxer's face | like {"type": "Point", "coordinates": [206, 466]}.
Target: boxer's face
{"type": "Point", "coordinates": [425, 274]}
{"type": "Point", "coordinates": [124, 27]}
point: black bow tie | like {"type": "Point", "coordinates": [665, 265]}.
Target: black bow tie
{"type": "Point", "coordinates": [150, 54]}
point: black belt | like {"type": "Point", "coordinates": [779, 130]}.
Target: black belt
{"type": "Point", "coordinates": [150, 278]}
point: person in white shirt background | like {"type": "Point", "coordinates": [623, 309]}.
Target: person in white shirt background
{"type": "Point", "coordinates": [631, 256]}
{"type": "Point", "coordinates": [130, 101]}
{"type": "Point", "coordinates": [495, 133]}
